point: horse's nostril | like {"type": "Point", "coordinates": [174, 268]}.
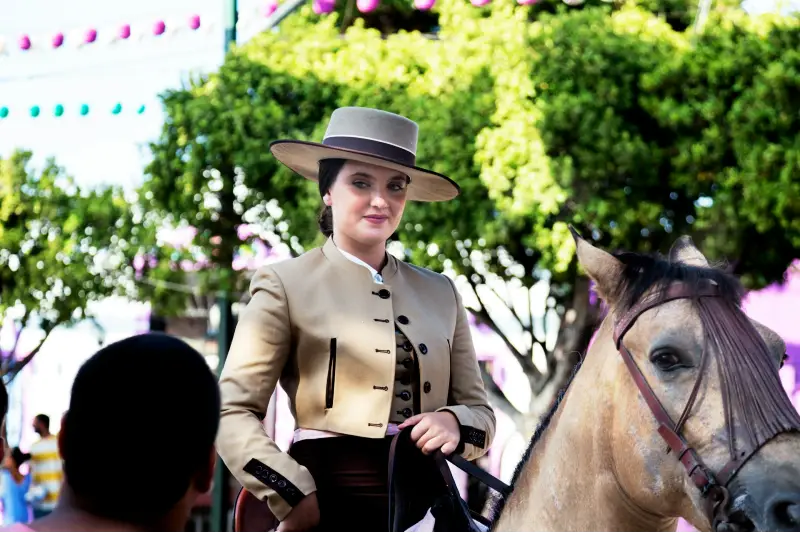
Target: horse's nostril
{"type": "Point", "coordinates": [784, 512]}
{"type": "Point", "coordinates": [793, 513]}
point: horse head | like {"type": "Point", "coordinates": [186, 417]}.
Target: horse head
{"type": "Point", "coordinates": [715, 374]}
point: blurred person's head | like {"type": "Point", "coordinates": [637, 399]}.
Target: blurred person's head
{"type": "Point", "coordinates": [41, 425]}
{"type": "Point", "coordinates": [16, 459]}
{"type": "Point", "coordinates": [138, 438]}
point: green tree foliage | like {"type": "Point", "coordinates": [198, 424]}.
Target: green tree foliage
{"type": "Point", "coordinates": [55, 251]}
{"type": "Point", "coordinates": [730, 107]}
{"type": "Point", "coordinates": [543, 120]}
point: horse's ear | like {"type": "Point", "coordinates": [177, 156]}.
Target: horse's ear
{"type": "Point", "coordinates": [684, 251]}
{"type": "Point", "coordinates": [601, 266]}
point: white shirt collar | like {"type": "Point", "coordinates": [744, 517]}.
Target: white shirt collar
{"type": "Point", "coordinates": [375, 274]}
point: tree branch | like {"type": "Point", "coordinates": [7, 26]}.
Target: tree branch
{"type": "Point", "coordinates": [507, 303]}
{"type": "Point", "coordinates": [14, 370]}
{"type": "Point", "coordinates": [483, 317]}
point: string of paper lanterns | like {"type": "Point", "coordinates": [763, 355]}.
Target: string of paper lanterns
{"type": "Point", "coordinates": [82, 37]}
{"type": "Point", "coordinates": [83, 110]}
{"type": "Point", "coordinates": [89, 36]}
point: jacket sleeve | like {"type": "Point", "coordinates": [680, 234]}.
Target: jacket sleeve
{"type": "Point", "coordinates": [258, 354]}
{"type": "Point", "coordinates": [467, 398]}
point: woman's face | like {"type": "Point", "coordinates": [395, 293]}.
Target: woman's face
{"type": "Point", "coordinates": [367, 202]}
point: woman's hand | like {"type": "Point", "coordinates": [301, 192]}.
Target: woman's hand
{"type": "Point", "coordinates": [434, 431]}
{"type": "Point", "coordinates": [303, 517]}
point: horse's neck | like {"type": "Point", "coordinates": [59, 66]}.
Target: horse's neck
{"type": "Point", "coordinates": [569, 482]}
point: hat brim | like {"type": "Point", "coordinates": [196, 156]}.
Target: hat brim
{"type": "Point", "coordinates": [303, 157]}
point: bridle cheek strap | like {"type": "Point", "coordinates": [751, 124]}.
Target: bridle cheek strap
{"type": "Point", "coordinates": [714, 490]}
{"type": "Point", "coordinates": [695, 468]}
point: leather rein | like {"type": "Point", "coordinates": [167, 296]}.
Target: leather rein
{"type": "Point", "coordinates": [712, 487]}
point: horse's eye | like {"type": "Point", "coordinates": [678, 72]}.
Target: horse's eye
{"type": "Point", "coordinates": [666, 360]}
{"type": "Point", "coordinates": [784, 359]}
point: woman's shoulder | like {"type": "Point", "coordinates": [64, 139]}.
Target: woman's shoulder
{"type": "Point", "coordinates": [279, 273]}
{"type": "Point", "coordinates": [418, 275]}
{"type": "Point", "coordinates": [290, 265]}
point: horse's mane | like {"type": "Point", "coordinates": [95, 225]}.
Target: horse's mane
{"type": "Point", "coordinates": [640, 274]}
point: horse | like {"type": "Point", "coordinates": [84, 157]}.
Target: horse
{"type": "Point", "coordinates": [676, 410]}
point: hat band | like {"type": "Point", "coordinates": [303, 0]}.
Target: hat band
{"type": "Point", "coordinates": [372, 147]}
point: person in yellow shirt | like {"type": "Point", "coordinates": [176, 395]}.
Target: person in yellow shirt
{"type": "Point", "coordinates": [46, 469]}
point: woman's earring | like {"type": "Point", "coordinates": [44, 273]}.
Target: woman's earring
{"type": "Point", "coordinates": [327, 200]}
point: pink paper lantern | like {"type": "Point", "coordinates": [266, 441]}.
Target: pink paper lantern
{"type": "Point", "coordinates": [366, 6]}
{"type": "Point", "coordinates": [424, 5]}
{"type": "Point", "coordinates": [25, 42]}
{"type": "Point", "coordinates": [194, 22]}
{"type": "Point", "coordinates": [480, 3]}
{"type": "Point", "coordinates": [58, 40]}
{"type": "Point", "coordinates": [159, 27]}
{"type": "Point", "coordinates": [91, 36]}
{"type": "Point", "coordinates": [125, 31]}
{"type": "Point", "coordinates": [270, 7]}
{"type": "Point", "coordinates": [321, 7]}
{"type": "Point", "coordinates": [526, 2]}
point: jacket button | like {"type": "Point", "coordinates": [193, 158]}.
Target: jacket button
{"type": "Point", "coordinates": [407, 346]}
{"type": "Point", "coordinates": [427, 387]}
{"type": "Point", "coordinates": [403, 319]}
{"type": "Point", "coordinates": [406, 412]}
{"type": "Point", "coordinates": [423, 349]}
{"type": "Point", "coordinates": [383, 293]}
{"type": "Point", "coordinates": [407, 362]}
{"type": "Point", "coordinates": [405, 395]}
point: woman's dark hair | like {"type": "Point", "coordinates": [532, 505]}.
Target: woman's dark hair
{"type": "Point", "coordinates": [328, 170]}
{"type": "Point", "coordinates": [19, 457]}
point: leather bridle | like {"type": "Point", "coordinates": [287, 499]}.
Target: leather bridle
{"type": "Point", "coordinates": [712, 487]}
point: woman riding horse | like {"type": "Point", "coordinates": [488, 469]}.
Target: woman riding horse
{"type": "Point", "coordinates": [364, 345]}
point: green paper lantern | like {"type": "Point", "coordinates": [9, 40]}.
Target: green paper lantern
{"type": "Point", "coordinates": [35, 111]}
{"type": "Point", "coordinates": [117, 109]}
{"type": "Point", "coordinates": [59, 110]}
{"type": "Point", "coordinates": [141, 109]}
{"type": "Point", "coordinates": [84, 109]}
{"type": "Point", "coordinates": [3, 112]}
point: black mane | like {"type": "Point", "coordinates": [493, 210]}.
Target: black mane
{"type": "Point", "coordinates": [641, 273]}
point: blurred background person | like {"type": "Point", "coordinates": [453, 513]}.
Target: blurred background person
{"type": "Point", "coordinates": [15, 485]}
{"type": "Point", "coordinates": [46, 469]}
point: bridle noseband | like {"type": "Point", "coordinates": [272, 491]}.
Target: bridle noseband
{"type": "Point", "coordinates": [713, 488]}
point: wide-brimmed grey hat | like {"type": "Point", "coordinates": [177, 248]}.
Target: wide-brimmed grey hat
{"type": "Point", "coordinates": [370, 136]}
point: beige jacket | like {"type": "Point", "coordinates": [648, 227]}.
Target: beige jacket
{"type": "Point", "coordinates": [320, 314]}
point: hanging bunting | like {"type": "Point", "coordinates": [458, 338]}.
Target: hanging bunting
{"type": "Point", "coordinates": [28, 43]}
{"type": "Point", "coordinates": [59, 110]}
